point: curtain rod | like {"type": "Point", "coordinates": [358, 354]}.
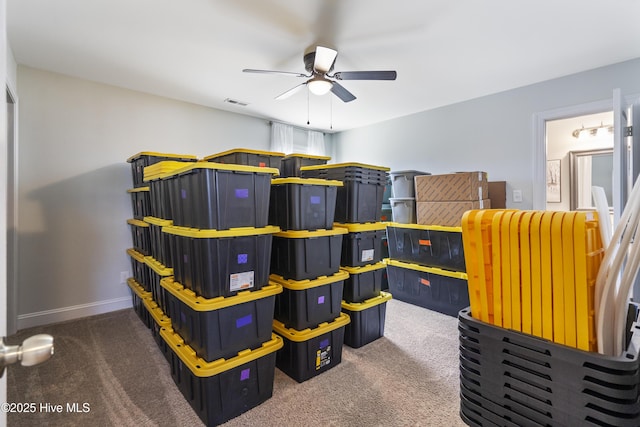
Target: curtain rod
{"type": "Point", "coordinates": [293, 126]}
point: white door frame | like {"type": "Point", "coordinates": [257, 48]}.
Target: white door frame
{"type": "Point", "coordinates": [540, 142]}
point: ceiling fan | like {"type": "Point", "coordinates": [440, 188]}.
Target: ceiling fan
{"type": "Point", "coordinates": [319, 63]}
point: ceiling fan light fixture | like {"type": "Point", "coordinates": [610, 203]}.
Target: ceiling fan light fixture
{"type": "Point", "coordinates": [319, 85]}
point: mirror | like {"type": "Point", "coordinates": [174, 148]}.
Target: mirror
{"type": "Point", "coordinates": [590, 168]}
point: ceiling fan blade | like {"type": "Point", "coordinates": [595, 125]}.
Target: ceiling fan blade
{"type": "Point", "coordinates": [290, 92]}
{"type": "Point", "coordinates": [339, 91]}
{"type": "Point", "coordinates": [365, 75]}
{"type": "Point", "coordinates": [324, 59]}
{"type": "Point", "coordinates": [286, 73]}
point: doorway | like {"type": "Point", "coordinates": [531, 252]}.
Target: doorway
{"type": "Point", "coordinates": [579, 156]}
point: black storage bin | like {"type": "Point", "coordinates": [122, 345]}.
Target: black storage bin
{"type": "Point", "coordinates": [248, 157]}
{"type": "Point", "coordinates": [140, 202]}
{"type": "Point", "coordinates": [363, 282]}
{"type": "Point", "coordinates": [160, 245]}
{"type": "Point", "coordinates": [363, 244]}
{"type": "Point", "coordinates": [303, 203]}
{"type": "Point", "coordinates": [139, 269]}
{"type": "Point", "coordinates": [433, 288]}
{"type": "Point", "coordinates": [158, 187]}
{"type": "Point", "coordinates": [215, 196]}
{"type": "Point", "coordinates": [138, 295]}
{"type": "Point", "coordinates": [157, 272]}
{"type": "Point", "coordinates": [511, 377]}
{"type": "Point", "coordinates": [158, 320]}
{"type": "Point", "coordinates": [221, 390]}
{"type": "Point", "coordinates": [216, 263]}
{"type": "Point", "coordinates": [308, 353]}
{"type": "Point", "coordinates": [428, 245]}
{"type": "Point", "coordinates": [308, 303]}
{"type": "Point", "coordinates": [367, 320]}
{"type": "Point", "coordinates": [301, 255]}
{"type": "Point", "coordinates": [140, 235]}
{"type": "Point", "coordinates": [146, 158]}
{"type": "Point", "coordinates": [221, 327]}
{"type": "Point", "coordinates": [360, 199]}
{"type": "Point", "coordinates": [291, 163]}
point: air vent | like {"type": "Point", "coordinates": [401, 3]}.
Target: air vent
{"type": "Point", "coordinates": [236, 102]}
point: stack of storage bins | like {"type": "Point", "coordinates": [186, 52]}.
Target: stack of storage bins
{"type": "Point", "coordinates": [145, 252]}
{"type": "Point", "coordinates": [291, 163]}
{"type": "Point", "coordinates": [359, 211]}
{"type": "Point", "coordinates": [248, 157]}
{"type": "Point", "coordinates": [219, 298]}
{"type": "Point", "coordinates": [426, 266]}
{"type": "Point", "coordinates": [305, 260]}
{"type": "Point", "coordinates": [403, 202]}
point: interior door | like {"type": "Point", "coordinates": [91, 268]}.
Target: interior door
{"type": "Point", "coordinates": [3, 198]}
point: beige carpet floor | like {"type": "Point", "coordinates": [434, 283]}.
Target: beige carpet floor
{"type": "Point", "coordinates": [111, 363]}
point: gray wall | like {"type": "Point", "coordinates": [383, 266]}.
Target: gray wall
{"type": "Point", "coordinates": [74, 139]}
{"type": "Point", "coordinates": [491, 133]}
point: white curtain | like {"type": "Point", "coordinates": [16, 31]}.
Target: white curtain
{"type": "Point", "coordinates": [281, 138]}
{"type": "Point", "coordinates": [315, 143]}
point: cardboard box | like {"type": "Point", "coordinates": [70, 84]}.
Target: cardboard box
{"type": "Point", "coordinates": [498, 194]}
{"type": "Point", "coordinates": [447, 213]}
{"type": "Point", "coordinates": [452, 187]}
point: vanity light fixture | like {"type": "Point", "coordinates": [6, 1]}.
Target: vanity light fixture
{"type": "Point", "coordinates": [602, 130]}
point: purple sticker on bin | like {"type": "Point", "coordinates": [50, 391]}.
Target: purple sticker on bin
{"type": "Point", "coordinates": [315, 200]}
{"type": "Point", "coordinates": [324, 343]}
{"type": "Point", "coordinates": [183, 193]}
{"type": "Point", "coordinates": [242, 193]}
{"type": "Point", "coordinates": [244, 374]}
{"type": "Point", "coordinates": [243, 258]}
{"type": "Point", "coordinates": [321, 299]}
{"type": "Point", "coordinates": [243, 321]}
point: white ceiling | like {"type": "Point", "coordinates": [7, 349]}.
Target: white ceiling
{"type": "Point", "coordinates": [444, 51]}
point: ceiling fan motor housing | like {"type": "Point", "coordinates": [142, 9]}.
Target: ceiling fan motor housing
{"type": "Point", "coordinates": [309, 60]}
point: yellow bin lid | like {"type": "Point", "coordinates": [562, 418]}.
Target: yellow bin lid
{"type": "Point", "coordinates": [201, 368]}
{"type": "Point", "coordinates": [135, 255]}
{"type": "Point", "coordinates": [198, 303]}
{"type": "Point", "coordinates": [138, 290]}
{"type": "Point", "coordinates": [343, 165]}
{"type": "Point", "coordinates": [307, 181]}
{"type": "Point", "coordinates": [154, 154]}
{"type": "Point", "coordinates": [371, 302]}
{"type": "Point", "coordinates": [425, 227]}
{"type": "Point", "coordinates": [432, 270]}
{"type": "Point", "coordinates": [301, 285]}
{"type": "Point", "coordinates": [137, 223]}
{"type": "Point", "coordinates": [220, 166]}
{"type": "Point", "coordinates": [158, 221]}
{"type": "Point", "coordinates": [307, 234]}
{"type": "Point", "coordinates": [138, 190]}
{"type": "Point", "coordinates": [355, 227]}
{"type": "Point", "coordinates": [306, 334]}
{"type": "Point", "coordinates": [217, 234]}
{"type": "Point", "coordinates": [307, 156]}
{"type": "Point", "coordinates": [156, 312]}
{"type": "Point", "coordinates": [244, 150]}
{"type": "Point", "coordinates": [156, 170]}
{"type": "Point", "coordinates": [363, 269]}
{"type": "Point", "coordinates": [157, 266]}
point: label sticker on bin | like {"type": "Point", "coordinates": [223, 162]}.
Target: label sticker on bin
{"type": "Point", "coordinates": [240, 281]}
{"type": "Point", "coordinates": [243, 321]}
{"type": "Point", "coordinates": [315, 200]}
{"type": "Point", "coordinates": [242, 193]}
{"type": "Point", "coordinates": [321, 299]}
{"type": "Point", "coordinates": [245, 374]}
{"type": "Point", "coordinates": [243, 258]}
{"type": "Point", "coordinates": [367, 255]}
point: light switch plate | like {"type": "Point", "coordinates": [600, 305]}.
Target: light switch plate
{"type": "Point", "coordinates": [517, 196]}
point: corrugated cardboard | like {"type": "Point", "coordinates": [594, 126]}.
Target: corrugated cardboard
{"type": "Point", "coordinates": [447, 213]}
{"type": "Point", "coordinates": [498, 194]}
{"type": "Point", "coordinates": [452, 187]}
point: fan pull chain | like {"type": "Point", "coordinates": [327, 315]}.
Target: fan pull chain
{"type": "Point", "coordinates": [331, 112]}
{"type": "Point", "coordinates": [307, 107]}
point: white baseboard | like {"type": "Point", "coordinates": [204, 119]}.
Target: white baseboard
{"type": "Point", "coordinates": [57, 315]}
